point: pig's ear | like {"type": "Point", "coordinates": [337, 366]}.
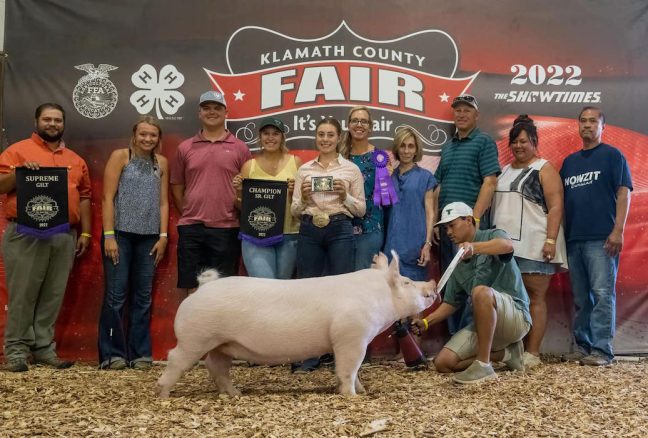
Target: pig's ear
{"type": "Point", "coordinates": [393, 275]}
{"type": "Point", "coordinates": [380, 261]}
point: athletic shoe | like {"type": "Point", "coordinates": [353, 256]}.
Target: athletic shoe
{"type": "Point", "coordinates": [18, 365]}
{"type": "Point", "coordinates": [516, 352]}
{"type": "Point", "coordinates": [54, 361]}
{"type": "Point", "coordinates": [530, 360]}
{"type": "Point", "coordinates": [573, 357]}
{"type": "Point", "coordinates": [475, 373]}
{"type": "Point", "coordinates": [142, 365]}
{"type": "Point", "coordinates": [115, 364]}
{"type": "Point", "coordinates": [596, 360]}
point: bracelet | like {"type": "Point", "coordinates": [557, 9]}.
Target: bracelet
{"type": "Point", "coordinates": [109, 233]}
{"type": "Point", "coordinates": [428, 242]}
{"type": "Point", "coordinates": [477, 220]}
{"type": "Point", "coordinates": [109, 236]}
{"type": "Point", "coordinates": [425, 323]}
{"type": "Point", "coordinates": [88, 235]}
{"type": "Point", "coordinates": [164, 234]}
{"type": "Point", "coordinates": [550, 241]}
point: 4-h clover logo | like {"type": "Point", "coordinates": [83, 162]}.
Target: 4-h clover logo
{"type": "Point", "coordinates": [157, 90]}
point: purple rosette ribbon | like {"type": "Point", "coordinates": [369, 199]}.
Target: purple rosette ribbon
{"type": "Point", "coordinates": [384, 191]}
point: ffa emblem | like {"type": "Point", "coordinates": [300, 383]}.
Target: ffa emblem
{"type": "Point", "coordinates": [95, 96]}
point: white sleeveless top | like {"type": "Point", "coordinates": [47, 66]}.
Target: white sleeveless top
{"type": "Point", "coordinates": [520, 209]}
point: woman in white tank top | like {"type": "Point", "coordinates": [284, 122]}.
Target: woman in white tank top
{"type": "Point", "coordinates": [528, 205]}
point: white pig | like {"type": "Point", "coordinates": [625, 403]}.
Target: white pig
{"type": "Point", "coordinates": [269, 321]}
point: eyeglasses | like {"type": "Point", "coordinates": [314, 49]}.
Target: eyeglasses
{"type": "Point", "coordinates": [363, 122]}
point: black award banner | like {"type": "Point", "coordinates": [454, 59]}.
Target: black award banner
{"type": "Point", "coordinates": [42, 201]}
{"type": "Point", "coordinates": [263, 208]}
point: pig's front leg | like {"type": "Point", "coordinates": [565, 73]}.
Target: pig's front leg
{"type": "Point", "coordinates": [358, 386]}
{"type": "Point", "coordinates": [348, 357]}
{"type": "Point", "coordinates": [219, 365]}
{"type": "Point", "coordinates": [179, 361]}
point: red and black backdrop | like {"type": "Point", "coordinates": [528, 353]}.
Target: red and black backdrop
{"type": "Point", "coordinates": [107, 62]}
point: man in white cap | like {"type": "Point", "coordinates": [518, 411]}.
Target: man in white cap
{"type": "Point", "coordinates": [201, 184]}
{"type": "Point", "coordinates": [489, 275]}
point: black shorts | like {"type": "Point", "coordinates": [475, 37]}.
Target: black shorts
{"type": "Point", "coordinates": [201, 247]}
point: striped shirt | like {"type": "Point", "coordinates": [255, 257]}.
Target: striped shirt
{"type": "Point", "coordinates": [329, 202]}
{"type": "Point", "coordinates": [464, 165]}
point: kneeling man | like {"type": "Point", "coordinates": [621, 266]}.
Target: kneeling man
{"type": "Point", "coordinates": [489, 277]}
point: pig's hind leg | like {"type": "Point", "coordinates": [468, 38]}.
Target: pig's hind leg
{"type": "Point", "coordinates": [348, 358]}
{"type": "Point", "coordinates": [179, 361]}
{"type": "Point", "coordinates": [219, 365]}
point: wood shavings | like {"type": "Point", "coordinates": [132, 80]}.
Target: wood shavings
{"type": "Point", "coordinates": [555, 400]}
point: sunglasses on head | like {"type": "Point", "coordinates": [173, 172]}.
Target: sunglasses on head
{"type": "Point", "coordinates": [466, 98]}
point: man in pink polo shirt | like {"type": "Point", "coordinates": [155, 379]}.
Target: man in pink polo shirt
{"type": "Point", "coordinates": [201, 184]}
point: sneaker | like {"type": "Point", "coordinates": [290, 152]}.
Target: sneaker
{"type": "Point", "coordinates": [142, 365]}
{"type": "Point", "coordinates": [306, 366]}
{"type": "Point", "coordinates": [516, 352]}
{"type": "Point", "coordinates": [115, 364]}
{"type": "Point", "coordinates": [54, 361]}
{"type": "Point", "coordinates": [530, 360]}
{"type": "Point", "coordinates": [475, 373]}
{"type": "Point", "coordinates": [18, 365]}
{"type": "Point", "coordinates": [595, 360]}
{"type": "Point", "coordinates": [327, 359]}
{"type": "Point", "coordinates": [573, 357]}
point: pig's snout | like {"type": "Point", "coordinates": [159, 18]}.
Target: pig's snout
{"type": "Point", "coordinates": [429, 290]}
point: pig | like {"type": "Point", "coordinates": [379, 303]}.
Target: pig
{"type": "Point", "coordinates": [268, 321]}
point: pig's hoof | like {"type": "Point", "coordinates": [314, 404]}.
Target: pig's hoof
{"type": "Point", "coordinates": [161, 392]}
{"type": "Point", "coordinates": [234, 392]}
{"type": "Point", "coordinates": [230, 392]}
{"type": "Point", "coordinates": [359, 388]}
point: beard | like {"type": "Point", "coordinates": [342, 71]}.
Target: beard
{"type": "Point", "coordinates": [50, 138]}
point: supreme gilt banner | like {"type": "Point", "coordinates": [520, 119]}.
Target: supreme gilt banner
{"type": "Point", "coordinates": [42, 201]}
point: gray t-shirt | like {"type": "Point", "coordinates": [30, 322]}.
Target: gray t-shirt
{"type": "Point", "coordinates": [499, 272]}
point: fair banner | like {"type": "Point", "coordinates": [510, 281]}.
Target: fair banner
{"type": "Point", "coordinates": [405, 60]}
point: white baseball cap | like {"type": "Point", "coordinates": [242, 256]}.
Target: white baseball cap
{"type": "Point", "coordinates": [454, 210]}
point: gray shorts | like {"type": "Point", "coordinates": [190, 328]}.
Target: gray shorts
{"type": "Point", "coordinates": [511, 327]}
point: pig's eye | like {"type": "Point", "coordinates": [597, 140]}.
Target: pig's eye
{"type": "Point", "coordinates": [408, 282]}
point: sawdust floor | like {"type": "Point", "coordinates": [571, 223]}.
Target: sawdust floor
{"type": "Point", "coordinates": [555, 400]}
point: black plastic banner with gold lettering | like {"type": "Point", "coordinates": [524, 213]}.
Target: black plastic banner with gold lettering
{"type": "Point", "coordinates": [263, 209]}
{"type": "Point", "coordinates": [42, 201]}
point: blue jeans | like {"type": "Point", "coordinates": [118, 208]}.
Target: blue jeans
{"type": "Point", "coordinates": [367, 245]}
{"type": "Point", "coordinates": [276, 261]}
{"type": "Point", "coordinates": [593, 278]}
{"type": "Point", "coordinates": [325, 251]}
{"type": "Point", "coordinates": [127, 338]}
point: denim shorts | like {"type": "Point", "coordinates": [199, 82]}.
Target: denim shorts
{"type": "Point", "coordinates": [535, 267]}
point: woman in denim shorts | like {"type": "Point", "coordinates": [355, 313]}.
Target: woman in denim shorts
{"type": "Point", "coordinates": [528, 205]}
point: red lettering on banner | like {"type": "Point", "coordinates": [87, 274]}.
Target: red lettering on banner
{"type": "Point", "coordinates": [335, 83]}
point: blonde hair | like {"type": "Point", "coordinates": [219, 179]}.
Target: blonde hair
{"type": "Point", "coordinates": [149, 120]}
{"type": "Point", "coordinates": [345, 144]}
{"type": "Point", "coordinates": [400, 137]}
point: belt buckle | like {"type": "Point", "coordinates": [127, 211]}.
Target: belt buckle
{"type": "Point", "coordinates": [321, 220]}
